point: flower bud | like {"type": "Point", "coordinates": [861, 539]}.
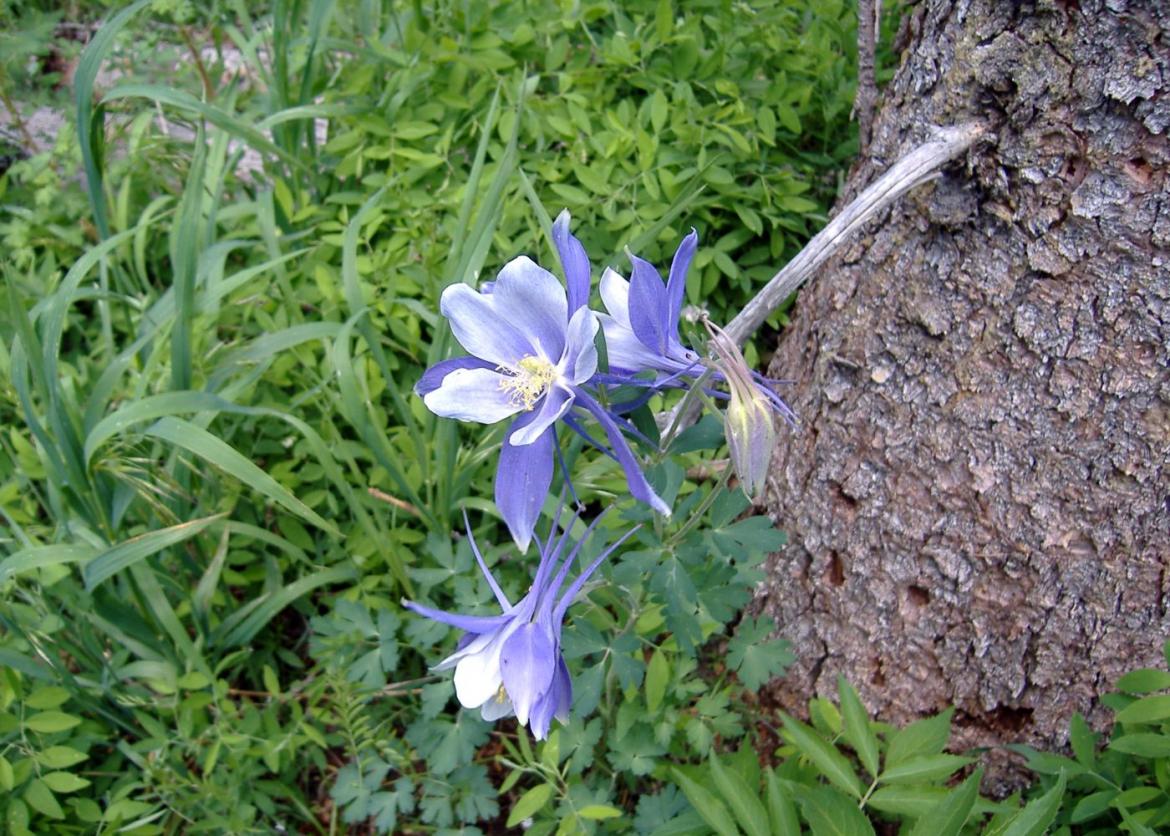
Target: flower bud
{"type": "Point", "coordinates": [748, 424]}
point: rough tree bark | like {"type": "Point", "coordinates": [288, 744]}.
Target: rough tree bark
{"type": "Point", "coordinates": [978, 495]}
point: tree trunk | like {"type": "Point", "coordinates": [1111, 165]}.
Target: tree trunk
{"type": "Point", "coordinates": [978, 494]}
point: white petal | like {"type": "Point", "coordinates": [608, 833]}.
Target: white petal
{"type": "Point", "coordinates": [615, 293]}
{"type": "Point", "coordinates": [477, 676]}
{"type": "Point", "coordinates": [580, 357]}
{"type": "Point", "coordinates": [473, 395]}
{"type": "Point", "coordinates": [476, 645]}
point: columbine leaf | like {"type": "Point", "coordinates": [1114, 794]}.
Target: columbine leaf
{"type": "Point", "coordinates": [755, 658]}
{"type": "Point", "coordinates": [828, 761]}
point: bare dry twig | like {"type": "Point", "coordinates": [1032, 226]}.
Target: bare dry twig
{"type": "Point", "coordinates": [913, 169]}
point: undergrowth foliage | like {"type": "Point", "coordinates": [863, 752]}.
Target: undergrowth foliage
{"type": "Point", "coordinates": [217, 485]}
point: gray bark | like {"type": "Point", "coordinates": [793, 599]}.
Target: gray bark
{"type": "Point", "coordinates": [978, 494]}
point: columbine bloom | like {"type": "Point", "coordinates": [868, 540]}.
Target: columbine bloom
{"type": "Point", "coordinates": [641, 323]}
{"type": "Point", "coordinates": [532, 350]}
{"type": "Point", "coordinates": [512, 663]}
{"type": "Point", "coordinates": [749, 426]}
{"type": "Point", "coordinates": [641, 330]}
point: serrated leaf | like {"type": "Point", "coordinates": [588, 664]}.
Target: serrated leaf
{"type": "Point", "coordinates": [753, 657]}
{"type": "Point", "coordinates": [659, 110]}
{"type": "Point", "coordinates": [831, 814]}
{"type": "Point", "coordinates": [928, 736]}
{"type": "Point", "coordinates": [1143, 681]}
{"type": "Point", "coordinates": [743, 800]}
{"type": "Point", "coordinates": [1146, 745]}
{"type": "Point", "coordinates": [1092, 806]}
{"type": "Point", "coordinates": [527, 804]}
{"type": "Point", "coordinates": [828, 761]}
{"type": "Point", "coordinates": [924, 769]}
{"type": "Point", "coordinates": [1146, 710]}
{"type": "Point", "coordinates": [781, 810]}
{"type": "Point", "coordinates": [1083, 740]}
{"type": "Point", "coordinates": [906, 801]}
{"type": "Point", "coordinates": [1034, 819]}
{"type": "Point", "coordinates": [857, 730]}
{"type": "Point", "coordinates": [709, 807]}
{"type": "Point", "coordinates": [950, 814]}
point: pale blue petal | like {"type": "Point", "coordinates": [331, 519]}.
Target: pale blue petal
{"type": "Point", "coordinates": [484, 328]}
{"type": "Point", "coordinates": [523, 477]}
{"type": "Point", "coordinates": [580, 357]}
{"type": "Point", "coordinates": [563, 605]}
{"type": "Point", "coordinates": [676, 285]}
{"type": "Point", "coordinates": [624, 351]}
{"type": "Point", "coordinates": [470, 623]}
{"type": "Point", "coordinates": [649, 307]}
{"type": "Point", "coordinates": [533, 301]}
{"type": "Point", "coordinates": [635, 478]}
{"type": "Point", "coordinates": [554, 703]}
{"type": "Point", "coordinates": [574, 262]}
{"type": "Point", "coordinates": [473, 395]}
{"type": "Point", "coordinates": [527, 665]}
{"type": "Point", "coordinates": [497, 708]}
{"type": "Point", "coordinates": [495, 587]}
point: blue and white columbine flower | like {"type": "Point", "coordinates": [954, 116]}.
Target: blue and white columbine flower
{"type": "Point", "coordinates": [531, 352]}
{"type": "Point", "coordinates": [512, 663]}
{"type": "Point", "coordinates": [641, 330]}
{"type": "Point", "coordinates": [641, 323]}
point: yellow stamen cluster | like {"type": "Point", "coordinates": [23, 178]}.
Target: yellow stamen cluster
{"type": "Point", "coordinates": [528, 382]}
{"type": "Point", "coordinates": [501, 695]}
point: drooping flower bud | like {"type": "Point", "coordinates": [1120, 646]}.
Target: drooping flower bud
{"type": "Point", "coordinates": [748, 424]}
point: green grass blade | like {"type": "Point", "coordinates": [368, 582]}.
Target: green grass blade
{"type": "Point", "coordinates": [115, 559]}
{"type": "Point", "coordinates": [150, 408]}
{"type": "Point", "coordinates": [353, 407]}
{"type": "Point", "coordinates": [201, 599]}
{"type": "Point", "coordinates": [39, 557]}
{"type": "Point", "coordinates": [267, 346]}
{"type": "Point", "coordinates": [213, 114]}
{"type": "Point", "coordinates": [83, 81]}
{"type": "Point", "coordinates": [185, 246]}
{"type": "Point", "coordinates": [218, 453]}
{"type": "Point", "coordinates": [246, 629]}
{"type": "Point", "coordinates": [157, 604]}
{"type": "Point", "coordinates": [471, 190]}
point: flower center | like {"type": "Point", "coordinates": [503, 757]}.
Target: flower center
{"type": "Point", "coordinates": [528, 382]}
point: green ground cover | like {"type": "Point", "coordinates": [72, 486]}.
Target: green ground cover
{"type": "Point", "coordinates": [220, 286]}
